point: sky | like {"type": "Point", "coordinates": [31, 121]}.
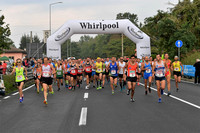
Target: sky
{"type": "Point", "coordinates": [24, 16]}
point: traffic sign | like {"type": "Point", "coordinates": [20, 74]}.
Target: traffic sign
{"type": "Point", "coordinates": [179, 43]}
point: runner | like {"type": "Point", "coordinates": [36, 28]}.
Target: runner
{"type": "Point", "coordinates": [47, 71]}
{"type": "Point", "coordinates": [113, 68]}
{"type": "Point", "coordinates": [159, 67]}
{"type": "Point", "coordinates": [20, 78]}
{"type": "Point", "coordinates": [73, 73]}
{"type": "Point", "coordinates": [80, 72]}
{"type": "Point", "coordinates": [107, 72]}
{"type": "Point", "coordinates": [168, 73]}
{"type": "Point", "coordinates": [65, 67]}
{"type": "Point", "coordinates": [176, 67]}
{"type": "Point", "coordinates": [132, 67]}
{"type": "Point", "coordinates": [37, 74]}
{"type": "Point", "coordinates": [147, 68]}
{"type": "Point", "coordinates": [59, 74]}
{"type": "Point", "coordinates": [103, 73]}
{"type": "Point", "coordinates": [99, 69]}
{"type": "Point", "coordinates": [121, 73]}
{"type": "Point", "coordinates": [93, 73]}
{"type": "Point", "coordinates": [88, 72]}
{"type": "Point", "coordinates": [139, 72]}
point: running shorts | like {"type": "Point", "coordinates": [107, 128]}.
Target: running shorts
{"type": "Point", "coordinates": [178, 74]}
{"type": "Point", "coordinates": [47, 81]}
{"type": "Point", "coordinates": [18, 83]}
{"type": "Point", "coordinates": [159, 78]}
{"type": "Point", "coordinates": [131, 79]}
{"type": "Point", "coordinates": [147, 75]}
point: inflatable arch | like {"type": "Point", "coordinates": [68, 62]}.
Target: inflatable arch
{"type": "Point", "coordinates": [123, 26]}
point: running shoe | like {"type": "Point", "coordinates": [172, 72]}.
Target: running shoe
{"type": "Point", "coordinates": [58, 89]}
{"type": "Point", "coordinates": [97, 88]}
{"type": "Point", "coordinates": [132, 100]}
{"type": "Point", "coordinates": [161, 91]}
{"type": "Point", "coordinates": [22, 97]}
{"type": "Point", "coordinates": [121, 89]}
{"type": "Point", "coordinates": [20, 100]}
{"type": "Point", "coordinates": [113, 92]}
{"type": "Point", "coordinates": [149, 90]}
{"type": "Point", "coordinates": [38, 92]}
{"type": "Point", "coordinates": [138, 84]}
{"type": "Point", "coordinates": [146, 92]}
{"type": "Point", "coordinates": [100, 87]}
{"type": "Point", "coordinates": [177, 90]}
{"type": "Point", "coordinates": [61, 84]}
{"type": "Point", "coordinates": [124, 87]}
{"type": "Point", "coordinates": [52, 92]}
{"type": "Point", "coordinates": [86, 87]}
{"type": "Point", "coordinates": [159, 100]}
{"type": "Point", "coordinates": [169, 93]}
{"type": "Point", "coordinates": [70, 88]}
{"type": "Point", "coordinates": [128, 92]}
{"type": "Point", "coordinates": [94, 86]}
{"type": "Point", "coordinates": [45, 102]}
{"type": "Point", "coordinates": [42, 89]}
{"type": "Point", "coordinates": [66, 86]}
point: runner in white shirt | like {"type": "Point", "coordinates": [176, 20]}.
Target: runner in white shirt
{"type": "Point", "coordinates": [121, 73]}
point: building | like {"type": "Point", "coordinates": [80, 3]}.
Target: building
{"type": "Point", "coordinates": [14, 53]}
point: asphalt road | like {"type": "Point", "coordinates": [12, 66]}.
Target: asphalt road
{"type": "Point", "coordinates": [106, 113]}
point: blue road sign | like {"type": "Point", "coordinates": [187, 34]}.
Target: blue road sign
{"type": "Point", "coordinates": [179, 43]}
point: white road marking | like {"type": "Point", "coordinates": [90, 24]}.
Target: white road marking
{"type": "Point", "coordinates": [6, 97]}
{"type": "Point", "coordinates": [15, 93]}
{"type": "Point", "coordinates": [179, 99]}
{"type": "Point", "coordinates": [83, 116]}
{"type": "Point", "coordinates": [28, 87]}
{"type": "Point", "coordinates": [86, 95]}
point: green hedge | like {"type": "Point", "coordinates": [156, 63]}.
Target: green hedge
{"type": "Point", "coordinates": [9, 82]}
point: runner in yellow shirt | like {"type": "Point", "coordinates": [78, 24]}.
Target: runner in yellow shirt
{"type": "Point", "coordinates": [99, 69]}
{"type": "Point", "coordinates": [176, 68]}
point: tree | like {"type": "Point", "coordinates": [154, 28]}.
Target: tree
{"type": "Point", "coordinates": [5, 41]}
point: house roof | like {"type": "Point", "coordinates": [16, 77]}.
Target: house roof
{"type": "Point", "coordinates": [14, 50]}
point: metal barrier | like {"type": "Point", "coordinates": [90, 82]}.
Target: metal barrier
{"type": "Point", "coordinates": [29, 73]}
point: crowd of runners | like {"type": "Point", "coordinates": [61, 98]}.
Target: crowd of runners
{"type": "Point", "coordinates": [125, 72]}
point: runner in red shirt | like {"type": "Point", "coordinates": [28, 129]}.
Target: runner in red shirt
{"type": "Point", "coordinates": [132, 76]}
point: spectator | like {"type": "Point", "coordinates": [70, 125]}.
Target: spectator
{"type": "Point", "coordinates": [197, 71]}
{"type": "Point", "coordinates": [23, 62]}
{"type": "Point", "coordinates": [4, 67]}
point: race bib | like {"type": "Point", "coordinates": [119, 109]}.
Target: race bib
{"type": "Point", "coordinates": [113, 72]}
{"type": "Point", "coordinates": [80, 71]}
{"type": "Point", "coordinates": [148, 70]}
{"type": "Point", "coordinates": [46, 74]}
{"type": "Point", "coordinates": [38, 74]}
{"type": "Point", "coordinates": [73, 71]}
{"type": "Point", "coordinates": [132, 73]}
{"type": "Point", "coordinates": [99, 69]}
{"type": "Point", "coordinates": [160, 74]}
{"type": "Point", "coordinates": [87, 69]}
{"type": "Point", "coordinates": [19, 77]}
{"type": "Point", "coordinates": [58, 73]}
{"type": "Point", "coordinates": [176, 69]}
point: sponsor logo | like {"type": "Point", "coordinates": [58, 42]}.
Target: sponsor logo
{"type": "Point", "coordinates": [100, 25]}
{"type": "Point", "coordinates": [62, 34]}
{"type": "Point", "coordinates": [137, 34]}
{"type": "Point", "coordinates": [53, 49]}
{"type": "Point", "coordinates": [144, 47]}
{"type": "Point", "coordinates": [143, 55]}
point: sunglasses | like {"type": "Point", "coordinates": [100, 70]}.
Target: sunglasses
{"type": "Point", "coordinates": [18, 62]}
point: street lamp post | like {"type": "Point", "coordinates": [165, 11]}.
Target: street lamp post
{"type": "Point", "coordinates": [50, 14]}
